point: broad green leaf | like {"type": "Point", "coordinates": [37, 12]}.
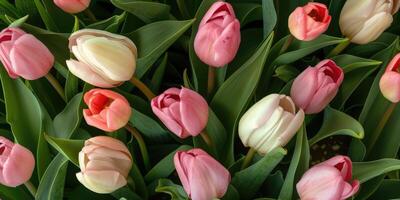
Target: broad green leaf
{"type": "Point", "coordinates": [6, 8]}
{"type": "Point", "coordinates": [71, 86]}
{"type": "Point", "coordinates": [58, 15]}
{"type": "Point", "coordinates": [47, 95]}
{"type": "Point", "coordinates": [111, 24]}
{"type": "Point", "coordinates": [175, 191]}
{"type": "Point", "coordinates": [389, 189]}
{"type": "Point", "coordinates": [145, 10]}
{"type": "Point", "coordinates": [364, 171]}
{"type": "Point", "coordinates": [140, 185]}
{"type": "Point", "coordinates": [247, 12]}
{"type": "Point", "coordinates": [28, 8]}
{"type": "Point", "coordinates": [357, 150]}
{"type": "Point", "coordinates": [286, 72]}
{"type": "Point", "coordinates": [68, 148]}
{"type": "Point", "coordinates": [69, 119]}
{"type": "Point", "coordinates": [125, 193]}
{"type": "Point", "coordinates": [48, 21]}
{"type": "Point", "coordinates": [19, 22]}
{"type": "Point", "coordinates": [231, 194]}
{"type": "Point", "coordinates": [158, 76]}
{"type": "Point", "coordinates": [10, 193]}
{"type": "Point", "coordinates": [51, 186]}
{"type": "Point", "coordinates": [269, 16]}
{"type": "Point", "coordinates": [150, 128]}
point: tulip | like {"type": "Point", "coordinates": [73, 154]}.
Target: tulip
{"type": "Point", "coordinates": [23, 55]}
{"type": "Point", "coordinates": [105, 163]}
{"type": "Point", "coordinates": [390, 80]}
{"type": "Point", "coordinates": [183, 111]}
{"type": "Point", "coordinates": [108, 110]}
{"type": "Point", "coordinates": [270, 123]}
{"type": "Point", "coordinates": [202, 177]}
{"type": "Point", "coordinates": [328, 180]}
{"type": "Point", "coordinates": [16, 163]}
{"type": "Point", "coordinates": [104, 59]}
{"type": "Point", "coordinates": [218, 38]}
{"type": "Point", "coordinates": [72, 6]}
{"type": "Point", "coordinates": [364, 21]}
{"type": "Point", "coordinates": [310, 21]}
{"type": "Point", "coordinates": [316, 86]}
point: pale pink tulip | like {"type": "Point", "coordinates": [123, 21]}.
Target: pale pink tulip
{"type": "Point", "coordinates": [202, 177]}
{"type": "Point", "coordinates": [308, 22]}
{"type": "Point", "coordinates": [329, 180]}
{"type": "Point", "coordinates": [218, 38]}
{"type": "Point", "coordinates": [72, 6]}
{"type": "Point", "coordinates": [183, 111]}
{"type": "Point", "coordinates": [390, 81]}
{"type": "Point", "coordinates": [316, 86]}
{"type": "Point", "coordinates": [16, 163]}
{"type": "Point", "coordinates": [23, 55]}
{"type": "Point", "coordinates": [108, 110]}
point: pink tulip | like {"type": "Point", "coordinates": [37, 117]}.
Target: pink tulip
{"type": "Point", "coordinates": [16, 163]}
{"type": "Point", "coordinates": [308, 22]}
{"type": "Point", "coordinates": [108, 110]}
{"type": "Point", "coordinates": [183, 111]}
{"type": "Point", "coordinates": [329, 180]}
{"type": "Point", "coordinates": [390, 81]}
{"type": "Point", "coordinates": [316, 86]}
{"type": "Point", "coordinates": [202, 177]}
{"type": "Point", "coordinates": [24, 55]}
{"type": "Point", "coordinates": [72, 6]}
{"type": "Point", "coordinates": [218, 38]}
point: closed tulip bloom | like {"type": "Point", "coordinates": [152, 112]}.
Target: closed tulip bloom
{"type": "Point", "coordinates": [329, 180]}
{"type": "Point", "coordinates": [218, 38]}
{"type": "Point", "coordinates": [105, 163]}
{"type": "Point", "coordinates": [183, 111]}
{"type": "Point", "coordinates": [16, 163]}
{"type": "Point", "coordinates": [104, 59]}
{"type": "Point", "coordinates": [316, 86]}
{"type": "Point", "coordinates": [364, 21]}
{"type": "Point", "coordinates": [310, 21]}
{"type": "Point", "coordinates": [270, 123]}
{"type": "Point", "coordinates": [23, 55]}
{"type": "Point", "coordinates": [108, 110]}
{"type": "Point", "coordinates": [72, 6]}
{"type": "Point", "coordinates": [202, 177]}
{"type": "Point", "coordinates": [390, 80]}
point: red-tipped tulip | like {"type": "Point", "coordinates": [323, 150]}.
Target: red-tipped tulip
{"type": "Point", "coordinates": [108, 110]}
{"type": "Point", "coordinates": [16, 163]}
{"type": "Point", "coordinates": [218, 38]}
{"type": "Point", "coordinates": [308, 22]}
{"type": "Point", "coordinates": [316, 86]}
{"type": "Point", "coordinates": [202, 177]}
{"type": "Point", "coordinates": [330, 180]}
{"type": "Point", "coordinates": [390, 81]}
{"type": "Point", "coordinates": [183, 111]}
{"type": "Point", "coordinates": [72, 6]}
{"type": "Point", "coordinates": [23, 55]}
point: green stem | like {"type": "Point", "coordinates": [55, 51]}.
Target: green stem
{"type": "Point", "coordinates": [143, 88]}
{"type": "Point", "coordinates": [249, 157]}
{"type": "Point", "coordinates": [142, 146]}
{"type": "Point", "coordinates": [211, 80]}
{"type": "Point", "coordinates": [32, 189]}
{"type": "Point", "coordinates": [339, 48]}
{"type": "Point", "coordinates": [286, 45]}
{"type": "Point", "coordinates": [90, 14]}
{"type": "Point", "coordinates": [56, 85]}
{"type": "Point", "coordinates": [206, 138]}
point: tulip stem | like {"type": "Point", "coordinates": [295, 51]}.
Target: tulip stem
{"type": "Point", "coordinates": [287, 43]}
{"type": "Point", "coordinates": [206, 138]}
{"type": "Point", "coordinates": [32, 189]}
{"type": "Point", "coordinates": [211, 80]}
{"type": "Point", "coordinates": [56, 85]}
{"type": "Point", "coordinates": [90, 14]}
{"type": "Point", "coordinates": [142, 146]}
{"type": "Point", "coordinates": [143, 88]}
{"type": "Point", "coordinates": [249, 157]}
{"type": "Point", "coordinates": [339, 48]}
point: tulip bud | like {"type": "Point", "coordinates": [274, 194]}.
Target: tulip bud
{"type": "Point", "coordinates": [218, 38]}
{"type": "Point", "coordinates": [201, 175]}
{"type": "Point", "coordinates": [72, 6]}
{"type": "Point", "coordinates": [390, 80]}
{"type": "Point", "coordinates": [270, 123]}
{"type": "Point", "coordinates": [364, 21]}
{"type": "Point", "coordinates": [316, 86]}
{"type": "Point", "coordinates": [183, 111]}
{"type": "Point", "coordinates": [23, 55]}
{"type": "Point", "coordinates": [310, 21]}
{"type": "Point", "coordinates": [105, 163]}
{"type": "Point", "coordinates": [328, 180]}
{"type": "Point", "coordinates": [104, 59]}
{"type": "Point", "coordinates": [108, 110]}
{"type": "Point", "coordinates": [16, 163]}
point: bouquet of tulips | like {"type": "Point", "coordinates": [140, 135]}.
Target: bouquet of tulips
{"type": "Point", "coordinates": [199, 99]}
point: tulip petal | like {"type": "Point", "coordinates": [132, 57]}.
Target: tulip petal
{"type": "Point", "coordinates": [373, 28]}
{"type": "Point", "coordinates": [95, 181]}
{"type": "Point", "coordinates": [171, 124]}
{"type": "Point", "coordinates": [118, 115]}
{"type": "Point", "coordinates": [304, 87]}
{"type": "Point", "coordinates": [194, 111]}
{"type": "Point", "coordinates": [390, 86]}
{"type": "Point", "coordinates": [14, 172]}
{"type": "Point", "coordinates": [110, 143]}
{"type": "Point", "coordinates": [181, 160]}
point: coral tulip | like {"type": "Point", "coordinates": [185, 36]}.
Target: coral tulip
{"type": "Point", "coordinates": [390, 80]}
{"type": "Point", "coordinates": [72, 6]}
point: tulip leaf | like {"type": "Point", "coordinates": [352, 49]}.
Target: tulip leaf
{"type": "Point", "coordinates": [8, 9]}
{"type": "Point", "coordinates": [145, 10]}
{"type": "Point", "coordinates": [269, 16]}
{"type": "Point", "coordinates": [14, 193]}
{"type": "Point", "coordinates": [71, 86]}
{"type": "Point", "coordinates": [231, 194]}
{"type": "Point", "coordinates": [389, 189]}
{"type": "Point", "coordinates": [46, 94]}
{"type": "Point", "coordinates": [125, 193]}
{"type": "Point", "coordinates": [338, 123]}
{"type": "Point", "coordinates": [111, 24]}
{"type": "Point", "coordinates": [19, 22]}
{"type": "Point", "coordinates": [229, 102]}
{"type": "Point", "coordinates": [249, 180]}
{"type": "Point", "coordinates": [69, 148]}
{"type": "Point", "coordinates": [159, 73]}
{"type": "Point", "coordinates": [175, 191]}
{"type": "Point", "coordinates": [66, 123]}
{"type": "Point", "coordinates": [365, 171]}
{"type": "Point", "coordinates": [140, 185]}
{"type": "Point", "coordinates": [48, 21]}
{"type": "Point", "coordinates": [247, 12]}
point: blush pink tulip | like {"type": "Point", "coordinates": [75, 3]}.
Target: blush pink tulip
{"type": "Point", "coordinates": [16, 163]}
{"type": "Point", "coordinates": [72, 6]}
{"type": "Point", "coordinates": [108, 110]}
{"type": "Point", "coordinates": [316, 86]}
{"type": "Point", "coordinates": [183, 111]}
{"type": "Point", "coordinates": [329, 180]}
{"type": "Point", "coordinates": [390, 81]}
{"type": "Point", "coordinates": [218, 38]}
{"type": "Point", "coordinates": [308, 22]}
{"type": "Point", "coordinates": [202, 177]}
{"type": "Point", "coordinates": [23, 55]}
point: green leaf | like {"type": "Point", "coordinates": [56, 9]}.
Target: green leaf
{"type": "Point", "coordinates": [247, 12]}
{"type": "Point", "coordinates": [249, 180]}
{"type": "Point", "coordinates": [145, 10]}
{"type": "Point", "coordinates": [229, 102]}
{"type": "Point", "coordinates": [66, 123]}
{"type": "Point", "coordinates": [48, 21]}
{"type": "Point", "coordinates": [364, 171]}
{"type": "Point", "coordinates": [7, 8]}
{"type": "Point", "coordinates": [140, 185]}
{"type": "Point", "coordinates": [269, 16]}
{"type": "Point", "coordinates": [286, 72]}
{"type": "Point", "coordinates": [111, 24]}
{"type": "Point", "coordinates": [150, 129]}
{"type": "Point", "coordinates": [10, 193]}
{"type": "Point", "coordinates": [389, 189]}
{"type": "Point", "coordinates": [69, 148]}
{"type": "Point", "coordinates": [338, 123]}
{"type": "Point", "coordinates": [175, 191]}
{"type": "Point", "coordinates": [158, 76]}
{"type": "Point", "coordinates": [231, 194]}
{"type": "Point", "coordinates": [71, 86]}
{"type": "Point", "coordinates": [19, 22]}
{"type": "Point", "coordinates": [125, 193]}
